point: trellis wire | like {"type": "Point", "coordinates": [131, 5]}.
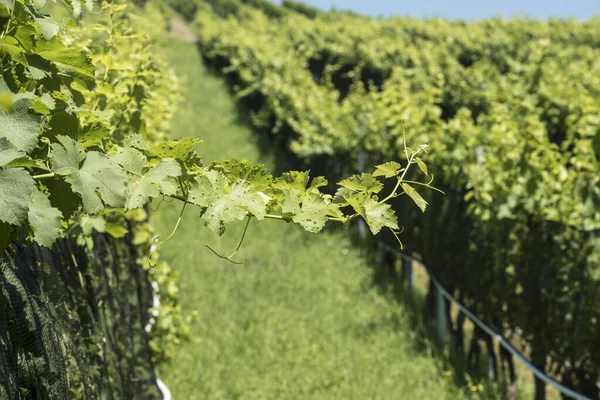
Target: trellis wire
{"type": "Point", "coordinates": [503, 342]}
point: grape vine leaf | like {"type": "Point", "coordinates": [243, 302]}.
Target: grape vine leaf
{"type": "Point", "coordinates": [379, 215]}
{"type": "Point", "coordinates": [25, 35]}
{"type": "Point", "coordinates": [137, 141]}
{"type": "Point", "coordinates": [27, 162]}
{"type": "Point", "coordinates": [387, 170]}
{"type": "Point", "coordinates": [316, 183]}
{"type": "Point", "coordinates": [48, 26]}
{"type": "Point", "coordinates": [68, 60]}
{"type": "Point", "coordinates": [44, 219]}
{"type": "Point", "coordinates": [413, 194]}
{"type": "Point", "coordinates": [422, 166]}
{"type": "Point", "coordinates": [362, 183]}
{"type": "Point", "coordinates": [177, 149]}
{"type": "Point", "coordinates": [291, 201]}
{"type": "Point", "coordinates": [20, 127]}
{"type": "Point", "coordinates": [89, 223]}
{"type": "Point", "coordinates": [161, 178]}
{"type": "Point", "coordinates": [37, 73]}
{"type": "Point", "coordinates": [294, 179]}
{"type": "Point", "coordinates": [116, 229]}
{"type": "Point", "coordinates": [242, 194]}
{"type": "Point", "coordinates": [8, 152]}
{"type": "Point", "coordinates": [222, 204]}
{"type": "Point", "coordinates": [16, 189]}
{"type": "Point", "coordinates": [97, 175]}
{"type": "Point", "coordinates": [205, 190]}
{"type": "Point", "coordinates": [356, 200]}
{"type": "Point", "coordinates": [312, 216]}
{"type": "Point", "coordinates": [257, 175]}
{"type": "Point", "coordinates": [131, 160]}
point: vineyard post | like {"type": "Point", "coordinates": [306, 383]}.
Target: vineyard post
{"type": "Point", "coordinates": [441, 321]}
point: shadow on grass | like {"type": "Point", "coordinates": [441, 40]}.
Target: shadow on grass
{"type": "Point", "coordinates": [472, 377]}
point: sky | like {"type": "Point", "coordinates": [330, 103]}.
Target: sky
{"type": "Point", "coordinates": [467, 9]}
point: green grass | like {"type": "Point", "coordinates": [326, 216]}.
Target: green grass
{"type": "Point", "coordinates": [302, 318]}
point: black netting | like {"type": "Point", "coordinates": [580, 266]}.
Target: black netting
{"type": "Point", "coordinates": [72, 322]}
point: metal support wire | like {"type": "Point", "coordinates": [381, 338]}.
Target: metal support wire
{"type": "Point", "coordinates": [509, 347]}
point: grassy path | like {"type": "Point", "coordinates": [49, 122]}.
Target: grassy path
{"type": "Point", "coordinates": [301, 318]}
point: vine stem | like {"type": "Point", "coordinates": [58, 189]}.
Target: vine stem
{"type": "Point", "coordinates": [279, 217]}
{"type": "Point", "coordinates": [397, 238]}
{"type": "Point", "coordinates": [236, 249]}
{"type": "Point", "coordinates": [44, 176]}
{"type": "Point", "coordinates": [289, 218]}
{"type": "Point", "coordinates": [400, 179]}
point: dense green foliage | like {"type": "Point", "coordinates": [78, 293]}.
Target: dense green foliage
{"type": "Point", "coordinates": [75, 143]}
{"type": "Point", "coordinates": [134, 93]}
{"type": "Point", "coordinates": [511, 110]}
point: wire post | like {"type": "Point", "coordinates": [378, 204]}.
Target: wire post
{"type": "Point", "coordinates": [440, 314]}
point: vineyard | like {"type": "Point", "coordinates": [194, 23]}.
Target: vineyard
{"type": "Point", "coordinates": [473, 147]}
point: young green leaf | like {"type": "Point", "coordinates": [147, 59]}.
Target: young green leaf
{"type": "Point", "coordinates": [387, 170]}
{"type": "Point", "coordinates": [356, 200]}
{"type": "Point", "coordinates": [294, 179]}
{"type": "Point", "coordinates": [413, 194]}
{"type": "Point", "coordinates": [379, 215]}
{"type": "Point", "coordinates": [243, 195]}
{"type": "Point", "coordinates": [291, 201]}
{"type": "Point", "coordinates": [256, 175]}
{"type": "Point", "coordinates": [177, 149]}
{"type": "Point", "coordinates": [316, 183]}
{"type": "Point", "coordinates": [207, 188]}
{"type": "Point", "coordinates": [422, 166]}
{"type": "Point", "coordinates": [225, 204]}
{"type": "Point", "coordinates": [232, 206]}
{"type": "Point", "coordinates": [362, 183]}
{"type": "Point", "coordinates": [313, 213]}
{"type": "Point", "coordinates": [89, 223]}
